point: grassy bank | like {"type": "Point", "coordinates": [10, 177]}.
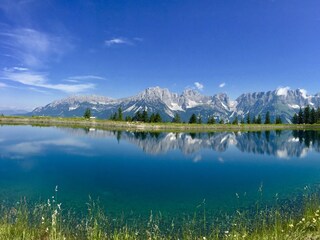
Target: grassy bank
{"type": "Point", "coordinates": [121, 125]}
{"type": "Point", "coordinates": [50, 221]}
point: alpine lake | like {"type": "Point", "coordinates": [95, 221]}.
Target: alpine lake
{"type": "Point", "coordinates": [132, 174]}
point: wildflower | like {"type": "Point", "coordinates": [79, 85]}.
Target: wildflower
{"type": "Point", "coordinates": [291, 225]}
{"type": "Point", "coordinates": [56, 189]}
{"type": "Point", "coordinates": [317, 215]}
{"type": "Point", "coordinates": [314, 220]}
{"type": "Point", "coordinates": [226, 232]}
{"type": "Point", "coordinates": [204, 238]}
{"type": "Point", "coordinates": [59, 206]}
{"type": "Point", "coordinates": [237, 195]}
{"type": "Point", "coordinates": [303, 219]}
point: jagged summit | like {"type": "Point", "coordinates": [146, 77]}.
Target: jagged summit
{"type": "Point", "coordinates": [283, 102]}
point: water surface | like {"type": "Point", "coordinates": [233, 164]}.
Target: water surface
{"type": "Point", "coordinates": [134, 173]}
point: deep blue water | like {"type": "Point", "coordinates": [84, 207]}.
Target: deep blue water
{"type": "Point", "coordinates": [134, 173]}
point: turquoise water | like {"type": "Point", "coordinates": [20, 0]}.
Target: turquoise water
{"type": "Point", "coordinates": [133, 173]}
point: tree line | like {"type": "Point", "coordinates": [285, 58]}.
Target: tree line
{"type": "Point", "coordinates": [307, 116]}
{"type": "Point", "coordinates": [143, 116]}
{"type": "Point", "coordinates": [139, 116]}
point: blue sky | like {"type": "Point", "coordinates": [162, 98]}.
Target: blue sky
{"type": "Point", "coordinates": [51, 49]}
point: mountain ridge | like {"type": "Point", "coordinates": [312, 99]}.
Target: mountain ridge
{"type": "Point", "coordinates": [283, 102]}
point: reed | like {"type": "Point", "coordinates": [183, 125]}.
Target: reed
{"type": "Point", "coordinates": [50, 221]}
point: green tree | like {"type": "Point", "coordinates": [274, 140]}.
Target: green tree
{"type": "Point", "coordinates": [306, 114]}
{"type": "Point", "coordinates": [318, 115]}
{"type": "Point", "coordinates": [152, 118]}
{"type": "Point", "coordinates": [120, 116]}
{"type": "Point", "coordinates": [267, 120]}
{"type": "Point", "coordinates": [235, 121]}
{"type": "Point", "coordinates": [259, 119]}
{"type": "Point", "coordinates": [87, 113]}
{"type": "Point", "coordinates": [242, 120]}
{"type": "Point", "coordinates": [221, 121]}
{"type": "Point", "coordinates": [248, 118]}
{"type": "Point", "coordinates": [295, 119]}
{"type": "Point", "coordinates": [128, 119]}
{"type": "Point", "coordinates": [113, 117]}
{"type": "Point", "coordinates": [313, 116]}
{"type": "Point", "coordinates": [157, 118]}
{"type": "Point", "coordinates": [176, 118]}
{"type": "Point", "coordinates": [300, 117]}
{"type": "Point", "coordinates": [211, 120]}
{"type": "Point", "coordinates": [137, 116]}
{"type": "Point", "coordinates": [193, 119]}
{"type": "Point", "coordinates": [254, 120]}
{"type": "Point", "coordinates": [278, 120]}
{"type": "Point", "coordinates": [145, 117]}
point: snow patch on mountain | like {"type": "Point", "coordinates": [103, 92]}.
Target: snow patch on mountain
{"type": "Point", "coordinates": [282, 91]}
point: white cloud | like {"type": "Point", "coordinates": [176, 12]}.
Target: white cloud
{"type": "Point", "coordinates": [199, 86]}
{"type": "Point", "coordinates": [221, 85]}
{"type": "Point", "coordinates": [3, 85]}
{"type": "Point", "coordinates": [36, 79]}
{"type": "Point", "coordinates": [33, 48]}
{"type": "Point", "coordinates": [86, 77]}
{"type": "Point", "coordinates": [122, 41]}
{"type": "Point", "coordinates": [117, 41]}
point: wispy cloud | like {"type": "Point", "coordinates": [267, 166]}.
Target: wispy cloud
{"type": "Point", "coordinates": [199, 86]}
{"type": "Point", "coordinates": [86, 77]}
{"type": "Point", "coordinates": [40, 80]}
{"type": "Point", "coordinates": [33, 48]}
{"type": "Point", "coordinates": [122, 41]}
{"type": "Point", "coordinates": [3, 85]}
{"type": "Point", "coordinates": [221, 85]}
{"type": "Point", "coordinates": [117, 41]}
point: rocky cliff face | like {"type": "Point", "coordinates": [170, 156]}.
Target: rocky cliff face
{"type": "Point", "coordinates": [282, 102]}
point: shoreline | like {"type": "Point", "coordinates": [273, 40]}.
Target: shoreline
{"type": "Point", "coordinates": [139, 126]}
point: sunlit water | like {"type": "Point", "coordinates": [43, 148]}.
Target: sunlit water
{"type": "Point", "coordinates": [172, 173]}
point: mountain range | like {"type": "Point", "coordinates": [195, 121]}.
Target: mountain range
{"type": "Point", "coordinates": [283, 102]}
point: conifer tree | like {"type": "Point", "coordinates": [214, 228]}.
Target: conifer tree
{"type": "Point", "coordinates": [87, 113]}
{"type": "Point", "coordinates": [300, 117]}
{"type": "Point", "coordinates": [259, 119]}
{"type": "Point", "coordinates": [267, 120]}
{"type": "Point", "coordinates": [248, 118]}
{"type": "Point", "coordinates": [157, 118]}
{"type": "Point", "coordinates": [313, 117]}
{"type": "Point", "coordinates": [193, 119]}
{"type": "Point", "coordinates": [278, 120]}
{"type": "Point", "coordinates": [120, 116]}
{"type": "Point", "coordinates": [211, 120]}
{"type": "Point", "coordinates": [176, 118]}
{"type": "Point", "coordinates": [306, 115]}
{"type": "Point", "coordinates": [295, 119]}
{"type": "Point", "coordinates": [145, 117]}
{"type": "Point", "coordinates": [235, 121]}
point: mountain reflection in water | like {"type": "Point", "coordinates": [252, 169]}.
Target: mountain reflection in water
{"type": "Point", "coordinates": [282, 144]}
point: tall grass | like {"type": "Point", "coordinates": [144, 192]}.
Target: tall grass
{"type": "Point", "coordinates": [299, 219]}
